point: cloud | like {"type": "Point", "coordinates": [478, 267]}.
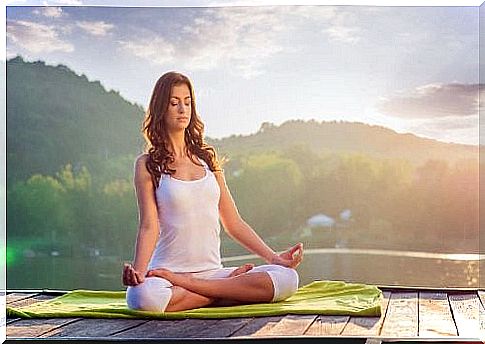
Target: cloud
{"type": "Point", "coordinates": [343, 34]}
{"type": "Point", "coordinates": [63, 2]}
{"type": "Point", "coordinates": [10, 53]}
{"type": "Point", "coordinates": [339, 24]}
{"type": "Point", "coordinates": [241, 37]}
{"type": "Point", "coordinates": [245, 38]}
{"type": "Point", "coordinates": [449, 123]}
{"type": "Point", "coordinates": [35, 37]}
{"type": "Point", "coordinates": [432, 101]}
{"type": "Point", "coordinates": [156, 49]}
{"type": "Point", "coordinates": [51, 12]}
{"type": "Point", "coordinates": [95, 28]}
{"type": "Point", "coordinates": [450, 129]}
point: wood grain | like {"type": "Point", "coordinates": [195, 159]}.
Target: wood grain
{"type": "Point", "coordinates": [402, 315]}
{"type": "Point", "coordinates": [435, 318]}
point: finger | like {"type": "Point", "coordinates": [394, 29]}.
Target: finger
{"type": "Point", "coordinates": [135, 277]}
{"type": "Point", "coordinates": [152, 273]}
{"type": "Point", "coordinates": [156, 272]}
{"type": "Point", "coordinates": [133, 280]}
{"type": "Point", "coordinates": [300, 249]}
{"type": "Point", "coordinates": [295, 251]}
{"type": "Point", "coordinates": [141, 277]}
{"type": "Point", "coordinates": [296, 248]}
{"type": "Point", "coordinates": [128, 277]}
{"type": "Point", "coordinates": [125, 275]}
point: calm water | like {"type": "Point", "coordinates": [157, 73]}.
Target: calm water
{"type": "Point", "coordinates": [363, 266]}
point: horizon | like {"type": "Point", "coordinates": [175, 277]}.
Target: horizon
{"type": "Point", "coordinates": [307, 120]}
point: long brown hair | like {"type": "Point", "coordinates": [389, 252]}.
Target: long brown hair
{"type": "Point", "coordinates": [156, 136]}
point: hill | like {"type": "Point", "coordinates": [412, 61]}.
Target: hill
{"type": "Point", "coordinates": [348, 137]}
{"type": "Point", "coordinates": [55, 117]}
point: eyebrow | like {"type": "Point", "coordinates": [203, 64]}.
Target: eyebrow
{"type": "Point", "coordinates": [179, 98]}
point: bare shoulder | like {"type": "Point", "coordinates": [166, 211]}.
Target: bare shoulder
{"type": "Point", "coordinates": [219, 173]}
{"type": "Point", "coordinates": [220, 176]}
{"type": "Point", "coordinates": [140, 166]}
{"type": "Point", "coordinates": [141, 159]}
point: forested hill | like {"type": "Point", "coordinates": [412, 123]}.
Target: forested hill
{"type": "Point", "coordinates": [354, 137]}
{"type": "Point", "coordinates": [55, 117]}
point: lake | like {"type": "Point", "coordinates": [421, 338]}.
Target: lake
{"type": "Point", "coordinates": [379, 267]}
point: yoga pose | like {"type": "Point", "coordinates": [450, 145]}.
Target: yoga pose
{"type": "Point", "coordinates": [182, 194]}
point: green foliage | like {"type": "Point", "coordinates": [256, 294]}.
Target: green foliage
{"type": "Point", "coordinates": [37, 207]}
{"type": "Point", "coordinates": [345, 137]}
{"type": "Point", "coordinates": [56, 117]}
{"type": "Point", "coordinates": [67, 209]}
{"type": "Point", "coordinates": [264, 189]}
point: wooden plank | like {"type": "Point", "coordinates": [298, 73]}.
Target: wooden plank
{"type": "Point", "coordinates": [257, 324]}
{"type": "Point", "coordinates": [13, 297]}
{"type": "Point", "coordinates": [168, 329]}
{"type": "Point", "coordinates": [402, 315]}
{"type": "Point", "coordinates": [93, 328]}
{"type": "Point", "coordinates": [435, 318]}
{"type": "Point", "coordinates": [368, 326]}
{"type": "Point", "coordinates": [20, 302]}
{"type": "Point", "coordinates": [289, 325]}
{"type": "Point", "coordinates": [467, 310]}
{"type": "Point", "coordinates": [325, 325]}
{"type": "Point", "coordinates": [149, 329]}
{"type": "Point", "coordinates": [222, 328]}
{"type": "Point", "coordinates": [29, 328]}
{"type": "Point", "coordinates": [481, 296]}
{"type": "Point", "coordinates": [31, 300]}
{"type": "Point", "coordinates": [11, 320]}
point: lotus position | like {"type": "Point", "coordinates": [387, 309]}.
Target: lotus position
{"type": "Point", "coordinates": [182, 194]}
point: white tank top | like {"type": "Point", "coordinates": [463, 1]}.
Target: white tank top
{"type": "Point", "coordinates": [188, 213]}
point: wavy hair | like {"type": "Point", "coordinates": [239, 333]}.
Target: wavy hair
{"type": "Point", "coordinates": [156, 136]}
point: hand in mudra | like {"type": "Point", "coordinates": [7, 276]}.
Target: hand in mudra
{"type": "Point", "coordinates": [131, 277]}
{"type": "Point", "coordinates": [290, 258]}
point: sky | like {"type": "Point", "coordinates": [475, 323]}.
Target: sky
{"type": "Point", "coordinates": [411, 69]}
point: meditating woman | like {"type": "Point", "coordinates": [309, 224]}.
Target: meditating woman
{"type": "Point", "coordinates": [182, 194]}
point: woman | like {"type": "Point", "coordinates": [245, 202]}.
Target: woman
{"type": "Point", "coordinates": [182, 194]}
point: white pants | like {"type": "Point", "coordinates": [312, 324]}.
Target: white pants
{"type": "Point", "coordinates": [154, 293]}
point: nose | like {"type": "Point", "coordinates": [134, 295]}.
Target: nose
{"type": "Point", "coordinates": [181, 108]}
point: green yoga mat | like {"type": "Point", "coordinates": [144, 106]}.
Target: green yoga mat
{"type": "Point", "coordinates": [319, 297]}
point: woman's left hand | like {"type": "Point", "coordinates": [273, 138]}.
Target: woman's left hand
{"type": "Point", "coordinates": [290, 258]}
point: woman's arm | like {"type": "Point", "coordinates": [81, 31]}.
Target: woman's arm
{"type": "Point", "coordinates": [148, 228]}
{"type": "Point", "coordinates": [240, 231]}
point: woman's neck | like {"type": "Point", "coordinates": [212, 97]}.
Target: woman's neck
{"type": "Point", "coordinates": [177, 144]}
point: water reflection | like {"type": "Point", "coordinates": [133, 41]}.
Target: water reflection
{"type": "Point", "coordinates": [379, 267]}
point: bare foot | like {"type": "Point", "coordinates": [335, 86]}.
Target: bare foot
{"type": "Point", "coordinates": [242, 269]}
{"type": "Point", "coordinates": [176, 278]}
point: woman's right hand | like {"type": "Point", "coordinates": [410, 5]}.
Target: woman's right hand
{"type": "Point", "coordinates": [131, 277]}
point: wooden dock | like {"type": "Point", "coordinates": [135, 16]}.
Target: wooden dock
{"type": "Point", "coordinates": [408, 315]}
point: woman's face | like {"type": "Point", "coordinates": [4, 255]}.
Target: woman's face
{"type": "Point", "coordinates": [179, 108]}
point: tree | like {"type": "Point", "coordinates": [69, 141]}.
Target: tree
{"type": "Point", "coordinates": [265, 190]}
{"type": "Point", "coordinates": [38, 208]}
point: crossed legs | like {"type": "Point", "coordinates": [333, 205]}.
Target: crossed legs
{"type": "Point", "coordinates": [164, 290]}
{"type": "Point", "coordinates": [190, 292]}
